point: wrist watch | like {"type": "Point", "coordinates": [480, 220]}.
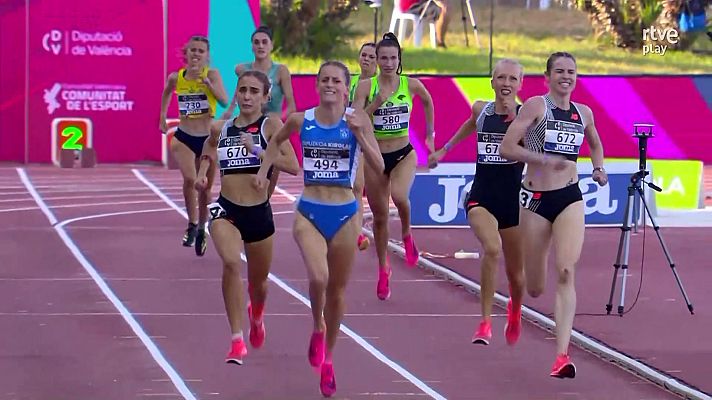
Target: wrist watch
{"type": "Point", "coordinates": [598, 169]}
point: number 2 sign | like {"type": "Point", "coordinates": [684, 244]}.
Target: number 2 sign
{"type": "Point", "coordinates": [70, 134]}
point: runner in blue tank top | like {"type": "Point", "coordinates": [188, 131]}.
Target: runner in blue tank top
{"type": "Point", "coordinates": [332, 136]}
{"type": "Point", "coordinates": [553, 129]}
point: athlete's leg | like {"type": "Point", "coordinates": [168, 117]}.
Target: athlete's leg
{"type": "Point", "coordinates": [484, 224]}
{"type": "Point", "coordinates": [259, 260]}
{"type": "Point", "coordinates": [402, 178]}
{"type": "Point", "coordinates": [377, 195]}
{"type": "Point", "coordinates": [341, 253]}
{"type": "Point", "coordinates": [568, 234]}
{"type": "Point", "coordinates": [185, 158]}
{"type": "Point", "coordinates": [536, 234]}
{"type": "Point", "coordinates": [204, 196]}
{"type": "Point", "coordinates": [340, 256]}
{"type": "Point", "coordinates": [513, 249]}
{"type": "Point", "coordinates": [313, 248]}
{"type": "Point", "coordinates": [359, 182]}
{"type": "Point", "coordinates": [228, 242]}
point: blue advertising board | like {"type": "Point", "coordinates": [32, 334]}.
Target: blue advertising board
{"type": "Point", "coordinates": [437, 196]}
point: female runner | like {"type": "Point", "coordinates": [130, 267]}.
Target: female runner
{"type": "Point", "coordinates": [553, 129]}
{"type": "Point", "coordinates": [492, 207]}
{"type": "Point", "coordinates": [243, 213]}
{"type": "Point", "coordinates": [279, 77]}
{"type": "Point", "coordinates": [389, 97]}
{"type": "Point", "coordinates": [324, 228]}
{"type": "Point", "coordinates": [367, 62]}
{"type": "Point", "coordinates": [198, 88]}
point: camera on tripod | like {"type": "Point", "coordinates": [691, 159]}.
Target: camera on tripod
{"type": "Point", "coordinates": [643, 132]}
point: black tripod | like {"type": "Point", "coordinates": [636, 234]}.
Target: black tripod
{"type": "Point", "coordinates": [642, 132]}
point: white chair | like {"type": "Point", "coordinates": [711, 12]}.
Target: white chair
{"type": "Point", "coordinates": [399, 18]}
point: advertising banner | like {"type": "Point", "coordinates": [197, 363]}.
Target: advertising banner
{"type": "Point", "coordinates": [102, 62]}
{"type": "Point", "coordinates": [437, 196]}
{"type": "Point", "coordinates": [681, 182]}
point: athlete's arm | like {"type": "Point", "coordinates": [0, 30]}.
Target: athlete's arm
{"type": "Point", "coordinates": [285, 80]}
{"type": "Point", "coordinates": [233, 103]}
{"type": "Point", "coordinates": [362, 128]}
{"type": "Point", "coordinates": [287, 160]}
{"type": "Point", "coordinates": [361, 96]}
{"type": "Point", "coordinates": [417, 87]}
{"type": "Point", "coordinates": [466, 129]}
{"type": "Point", "coordinates": [208, 156]}
{"type": "Point", "coordinates": [215, 83]}
{"type": "Point", "coordinates": [594, 144]}
{"type": "Point", "coordinates": [293, 123]}
{"type": "Point", "coordinates": [166, 100]}
{"type": "Point", "coordinates": [511, 147]}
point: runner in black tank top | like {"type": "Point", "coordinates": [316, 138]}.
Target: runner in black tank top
{"type": "Point", "coordinates": [242, 215]}
{"type": "Point", "coordinates": [553, 129]}
{"type": "Point", "coordinates": [492, 205]}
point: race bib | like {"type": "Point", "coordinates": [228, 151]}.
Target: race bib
{"type": "Point", "coordinates": [391, 118]}
{"type": "Point", "coordinates": [488, 148]}
{"type": "Point", "coordinates": [525, 197]}
{"type": "Point", "coordinates": [563, 137]}
{"type": "Point", "coordinates": [232, 153]}
{"type": "Point", "coordinates": [216, 211]}
{"type": "Point", "coordinates": [321, 159]}
{"type": "Point", "coordinates": [193, 104]}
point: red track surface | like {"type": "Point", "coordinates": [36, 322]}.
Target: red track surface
{"type": "Point", "coordinates": [65, 340]}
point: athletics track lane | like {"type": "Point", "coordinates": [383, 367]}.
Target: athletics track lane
{"type": "Point", "coordinates": [425, 327]}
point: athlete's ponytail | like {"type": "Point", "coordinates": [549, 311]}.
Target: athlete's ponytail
{"type": "Point", "coordinates": [390, 40]}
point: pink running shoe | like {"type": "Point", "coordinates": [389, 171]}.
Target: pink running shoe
{"type": "Point", "coordinates": [363, 242]}
{"type": "Point", "coordinates": [411, 251]}
{"type": "Point", "coordinates": [238, 349]}
{"type": "Point", "coordinates": [513, 328]}
{"type": "Point", "coordinates": [257, 329]}
{"type": "Point", "coordinates": [383, 290]}
{"type": "Point", "coordinates": [328, 381]}
{"type": "Point", "coordinates": [317, 349]}
{"type": "Point", "coordinates": [563, 367]}
{"type": "Point", "coordinates": [483, 334]}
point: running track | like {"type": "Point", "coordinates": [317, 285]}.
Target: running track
{"type": "Point", "coordinates": [112, 307]}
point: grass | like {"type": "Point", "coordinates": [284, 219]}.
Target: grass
{"type": "Point", "coordinates": [528, 35]}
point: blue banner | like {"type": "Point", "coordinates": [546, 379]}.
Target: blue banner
{"type": "Point", "coordinates": [437, 196]}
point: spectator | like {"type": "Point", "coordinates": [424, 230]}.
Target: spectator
{"type": "Point", "coordinates": [436, 11]}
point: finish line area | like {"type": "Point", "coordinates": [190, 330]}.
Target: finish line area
{"type": "Point", "coordinates": [96, 278]}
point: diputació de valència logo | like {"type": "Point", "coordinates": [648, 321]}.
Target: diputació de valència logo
{"type": "Point", "coordinates": [76, 42]}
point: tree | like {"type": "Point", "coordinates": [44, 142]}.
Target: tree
{"type": "Point", "coordinates": [310, 27]}
{"type": "Point", "coordinates": [624, 20]}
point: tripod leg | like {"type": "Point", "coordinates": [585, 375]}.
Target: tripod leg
{"type": "Point", "coordinates": [667, 253]}
{"type": "Point", "coordinates": [472, 20]}
{"type": "Point", "coordinates": [623, 253]}
{"type": "Point", "coordinates": [464, 22]}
